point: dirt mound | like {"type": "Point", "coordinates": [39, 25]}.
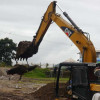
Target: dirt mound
{"type": "Point", "coordinates": [47, 92]}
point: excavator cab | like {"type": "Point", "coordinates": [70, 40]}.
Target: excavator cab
{"type": "Point", "coordinates": [82, 85]}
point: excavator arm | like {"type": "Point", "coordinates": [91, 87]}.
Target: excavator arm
{"type": "Point", "coordinates": [27, 49]}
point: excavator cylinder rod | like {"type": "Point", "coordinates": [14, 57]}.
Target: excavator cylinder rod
{"type": "Point", "coordinates": [72, 22]}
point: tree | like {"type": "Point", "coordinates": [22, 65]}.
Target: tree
{"type": "Point", "coordinates": [7, 50]}
{"type": "Point", "coordinates": [47, 65]}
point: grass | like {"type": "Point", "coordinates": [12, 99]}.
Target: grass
{"type": "Point", "coordinates": [49, 80]}
{"type": "Point", "coordinates": [44, 80]}
{"type": "Point", "coordinates": [39, 76]}
{"type": "Point", "coordinates": [37, 73]}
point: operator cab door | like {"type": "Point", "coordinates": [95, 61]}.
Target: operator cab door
{"type": "Point", "coordinates": [80, 83]}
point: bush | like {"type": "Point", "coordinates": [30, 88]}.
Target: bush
{"type": "Point", "coordinates": [2, 64]}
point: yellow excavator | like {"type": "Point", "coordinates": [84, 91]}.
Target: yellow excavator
{"type": "Point", "coordinates": [84, 83]}
{"type": "Point", "coordinates": [26, 48]}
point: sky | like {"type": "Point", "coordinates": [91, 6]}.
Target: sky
{"type": "Point", "coordinates": [20, 19]}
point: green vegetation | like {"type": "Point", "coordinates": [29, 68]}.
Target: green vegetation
{"type": "Point", "coordinates": [42, 75]}
{"type": "Point", "coordinates": [44, 80]}
{"type": "Point", "coordinates": [2, 64]}
{"type": "Point", "coordinates": [38, 73]}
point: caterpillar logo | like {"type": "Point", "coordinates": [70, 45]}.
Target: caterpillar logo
{"type": "Point", "coordinates": [67, 31]}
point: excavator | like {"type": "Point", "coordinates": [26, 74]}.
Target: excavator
{"type": "Point", "coordinates": [26, 48]}
{"type": "Point", "coordinates": [84, 84]}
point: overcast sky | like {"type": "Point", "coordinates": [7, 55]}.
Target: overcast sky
{"type": "Point", "coordinates": [20, 19]}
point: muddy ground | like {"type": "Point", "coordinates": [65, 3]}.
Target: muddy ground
{"type": "Point", "coordinates": [26, 89]}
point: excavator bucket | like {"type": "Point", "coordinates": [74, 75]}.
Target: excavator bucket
{"type": "Point", "coordinates": [25, 50]}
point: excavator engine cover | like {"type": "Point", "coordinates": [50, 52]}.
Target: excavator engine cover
{"type": "Point", "coordinates": [25, 49]}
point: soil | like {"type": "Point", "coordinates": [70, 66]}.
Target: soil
{"type": "Point", "coordinates": [26, 89]}
{"type": "Point", "coordinates": [47, 92]}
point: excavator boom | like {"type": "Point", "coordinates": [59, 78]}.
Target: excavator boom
{"type": "Point", "coordinates": [26, 50]}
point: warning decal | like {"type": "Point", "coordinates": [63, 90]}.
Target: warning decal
{"type": "Point", "coordinates": [67, 31]}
